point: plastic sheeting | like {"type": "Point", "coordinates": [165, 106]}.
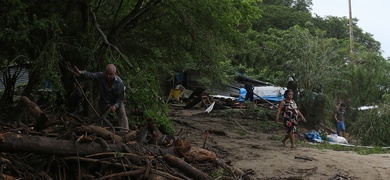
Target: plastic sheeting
{"type": "Point", "coordinates": [269, 93]}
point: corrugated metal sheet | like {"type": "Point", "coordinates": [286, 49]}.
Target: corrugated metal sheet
{"type": "Point", "coordinates": [22, 79]}
{"type": "Point", "coordinates": [228, 90]}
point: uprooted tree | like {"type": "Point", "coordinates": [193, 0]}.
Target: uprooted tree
{"type": "Point", "coordinates": [65, 146]}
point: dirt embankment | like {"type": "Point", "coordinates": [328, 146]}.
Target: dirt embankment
{"type": "Point", "coordinates": [251, 144]}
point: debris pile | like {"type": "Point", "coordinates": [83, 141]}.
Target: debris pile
{"type": "Point", "coordinates": [64, 146]}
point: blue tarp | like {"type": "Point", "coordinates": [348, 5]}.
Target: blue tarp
{"type": "Point", "coordinates": [313, 136]}
{"type": "Point", "coordinates": [242, 94]}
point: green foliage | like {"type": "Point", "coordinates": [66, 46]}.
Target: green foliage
{"type": "Point", "coordinates": [47, 64]}
{"type": "Point", "coordinates": [375, 150]}
{"type": "Point", "coordinates": [161, 120]}
{"type": "Point", "coordinates": [338, 27]}
{"type": "Point", "coordinates": [32, 33]}
{"type": "Point", "coordinates": [242, 132]}
{"type": "Point", "coordinates": [308, 57]}
{"type": "Point", "coordinates": [144, 97]}
{"type": "Point", "coordinates": [311, 60]}
{"type": "Point", "coordinates": [13, 25]}
{"type": "Point", "coordinates": [217, 173]}
{"type": "Point", "coordinates": [366, 71]}
{"type": "Point", "coordinates": [386, 98]}
{"type": "Point", "coordinates": [149, 43]}
{"type": "Point", "coordinates": [280, 17]}
{"type": "Point", "coordinates": [260, 50]}
{"type": "Point", "coordinates": [371, 127]}
{"type": "Point", "coordinates": [324, 136]}
{"type": "Point", "coordinates": [297, 5]}
{"type": "Point", "coordinates": [189, 38]}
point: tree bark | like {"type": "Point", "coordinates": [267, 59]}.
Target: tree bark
{"type": "Point", "coordinates": [186, 168]}
{"type": "Point", "coordinates": [27, 108]}
{"type": "Point", "coordinates": [236, 171]}
{"type": "Point", "coordinates": [99, 131]}
{"type": "Point", "coordinates": [38, 144]}
{"type": "Point", "coordinates": [153, 130]}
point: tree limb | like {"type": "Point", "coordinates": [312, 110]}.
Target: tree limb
{"type": "Point", "coordinates": [38, 144]}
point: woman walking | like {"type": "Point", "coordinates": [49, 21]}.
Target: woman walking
{"type": "Point", "coordinates": [289, 110]}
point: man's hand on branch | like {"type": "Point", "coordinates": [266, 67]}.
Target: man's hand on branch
{"type": "Point", "coordinates": [77, 70]}
{"type": "Point", "coordinates": [113, 109]}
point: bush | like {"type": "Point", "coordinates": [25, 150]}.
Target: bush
{"type": "Point", "coordinates": [146, 100]}
{"type": "Point", "coordinates": [372, 126]}
{"type": "Point", "coordinates": [317, 109]}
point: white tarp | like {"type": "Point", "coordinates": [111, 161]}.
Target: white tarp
{"type": "Point", "coordinates": [272, 91]}
{"type": "Point", "coordinates": [337, 139]}
{"type": "Point", "coordinates": [367, 107]}
{"type": "Point", "coordinates": [269, 90]}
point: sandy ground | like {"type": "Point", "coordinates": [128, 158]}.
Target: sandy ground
{"type": "Point", "coordinates": [249, 148]}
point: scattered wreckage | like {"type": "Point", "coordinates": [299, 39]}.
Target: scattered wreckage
{"type": "Point", "coordinates": [65, 146]}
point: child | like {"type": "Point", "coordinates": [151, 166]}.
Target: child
{"type": "Point", "coordinates": [340, 117]}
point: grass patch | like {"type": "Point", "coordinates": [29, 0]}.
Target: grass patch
{"type": "Point", "coordinates": [275, 138]}
{"type": "Point", "coordinates": [335, 147]}
{"type": "Point", "coordinates": [242, 133]}
{"type": "Point", "coordinates": [217, 173]}
{"type": "Point", "coordinates": [358, 149]}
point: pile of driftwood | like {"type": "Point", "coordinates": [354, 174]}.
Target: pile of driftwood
{"type": "Point", "coordinates": [66, 147]}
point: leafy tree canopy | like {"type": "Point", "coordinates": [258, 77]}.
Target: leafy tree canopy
{"type": "Point", "coordinates": [150, 40]}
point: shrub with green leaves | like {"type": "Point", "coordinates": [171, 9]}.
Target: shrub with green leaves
{"type": "Point", "coordinates": [146, 99]}
{"type": "Point", "coordinates": [372, 126]}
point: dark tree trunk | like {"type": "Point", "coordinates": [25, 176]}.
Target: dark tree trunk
{"type": "Point", "coordinates": [9, 81]}
{"type": "Point", "coordinates": [16, 114]}
{"type": "Point", "coordinates": [38, 144]}
{"type": "Point", "coordinates": [186, 168]}
{"type": "Point", "coordinates": [33, 80]}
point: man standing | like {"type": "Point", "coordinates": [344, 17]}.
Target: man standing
{"type": "Point", "coordinates": [112, 92]}
{"type": "Point", "coordinates": [249, 91]}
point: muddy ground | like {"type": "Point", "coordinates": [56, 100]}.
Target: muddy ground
{"type": "Point", "coordinates": [253, 144]}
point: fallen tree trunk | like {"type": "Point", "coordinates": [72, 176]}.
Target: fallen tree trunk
{"type": "Point", "coordinates": [153, 130]}
{"type": "Point", "coordinates": [186, 168]}
{"type": "Point", "coordinates": [38, 144]}
{"type": "Point", "coordinates": [238, 173]}
{"type": "Point", "coordinates": [193, 153]}
{"type": "Point", "coordinates": [123, 174]}
{"type": "Point", "coordinates": [25, 110]}
{"type": "Point", "coordinates": [99, 131]}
